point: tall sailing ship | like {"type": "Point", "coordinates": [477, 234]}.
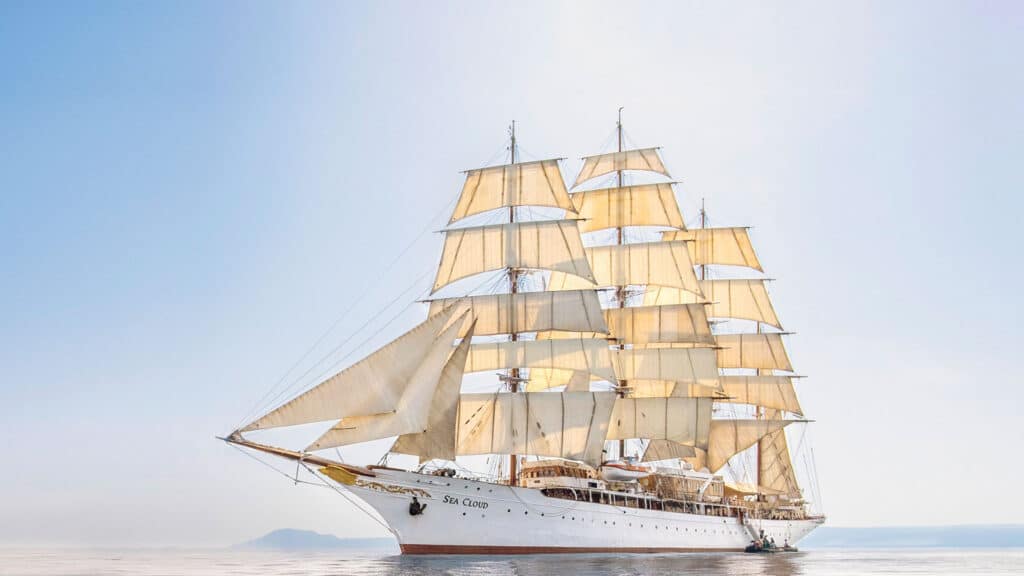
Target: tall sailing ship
{"type": "Point", "coordinates": [642, 391]}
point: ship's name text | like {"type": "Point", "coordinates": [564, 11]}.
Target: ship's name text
{"type": "Point", "coordinates": [468, 502]}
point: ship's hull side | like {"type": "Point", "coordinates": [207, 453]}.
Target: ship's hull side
{"type": "Point", "coordinates": [469, 517]}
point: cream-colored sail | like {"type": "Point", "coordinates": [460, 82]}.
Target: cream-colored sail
{"type": "Point", "coordinates": [541, 379]}
{"type": "Point", "coordinates": [668, 388]}
{"type": "Point", "coordinates": [652, 263]}
{"type": "Point", "coordinates": [542, 245]}
{"type": "Point", "coordinates": [761, 351]}
{"type": "Point", "coordinates": [768, 391]}
{"type": "Point", "coordinates": [571, 425]}
{"type": "Point", "coordinates": [438, 439]}
{"type": "Point", "coordinates": [718, 246]}
{"type": "Point", "coordinates": [645, 205]}
{"type": "Point", "coordinates": [730, 437]}
{"type": "Point", "coordinates": [536, 183]}
{"type": "Point", "coordinates": [688, 365]}
{"type": "Point", "coordinates": [641, 159]}
{"type": "Point", "coordinates": [373, 385]}
{"type": "Point", "coordinates": [775, 466]}
{"type": "Point", "coordinates": [658, 450]}
{"type": "Point", "coordinates": [672, 323]}
{"type": "Point", "coordinates": [586, 355]}
{"type": "Point", "coordinates": [743, 299]}
{"type": "Point", "coordinates": [569, 311]}
{"type": "Point", "coordinates": [682, 420]}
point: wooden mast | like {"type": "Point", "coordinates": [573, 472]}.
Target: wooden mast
{"type": "Point", "coordinates": [513, 278]}
{"type": "Point", "coordinates": [620, 291]}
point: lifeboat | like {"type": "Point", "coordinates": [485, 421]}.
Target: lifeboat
{"type": "Point", "coordinates": [623, 472]}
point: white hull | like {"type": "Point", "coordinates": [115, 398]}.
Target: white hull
{"type": "Point", "coordinates": [469, 517]}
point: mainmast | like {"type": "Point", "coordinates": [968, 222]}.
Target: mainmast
{"type": "Point", "coordinates": [620, 291]}
{"type": "Point", "coordinates": [513, 279]}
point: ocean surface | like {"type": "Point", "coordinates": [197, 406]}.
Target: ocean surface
{"type": "Point", "coordinates": [343, 563]}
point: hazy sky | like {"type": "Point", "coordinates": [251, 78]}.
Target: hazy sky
{"type": "Point", "coordinates": [191, 193]}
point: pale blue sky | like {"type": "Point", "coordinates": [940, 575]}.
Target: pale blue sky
{"type": "Point", "coordinates": [190, 193]}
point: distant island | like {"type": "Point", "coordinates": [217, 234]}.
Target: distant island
{"type": "Point", "coordinates": [969, 536]}
{"type": "Point", "coordinates": [973, 536]}
{"type": "Point", "coordinates": [290, 539]}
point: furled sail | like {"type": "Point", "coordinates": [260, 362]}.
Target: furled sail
{"type": "Point", "coordinates": [688, 365]}
{"type": "Point", "coordinates": [730, 437]}
{"type": "Point", "coordinates": [658, 450]}
{"type": "Point", "coordinates": [682, 420]}
{"type": "Point", "coordinates": [718, 246]}
{"type": "Point", "coordinates": [570, 311]}
{"type": "Point", "coordinates": [768, 391]}
{"type": "Point", "coordinates": [645, 205]}
{"type": "Point", "coordinates": [641, 159]}
{"type": "Point", "coordinates": [544, 245]}
{"type": "Point", "coordinates": [373, 385]}
{"type": "Point", "coordinates": [438, 440]}
{"type": "Point", "coordinates": [578, 354]}
{"type": "Point", "coordinates": [571, 425]}
{"type": "Point", "coordinates": [775, 470]}
{"type": "Point", "coordinates": [761, 351]}
{"type": "Point", "coordinates": [657, 263]}
{"type": "Point", "coordinates": [672, 323]}
{"type": "Point", "coordinates": [536, 183]}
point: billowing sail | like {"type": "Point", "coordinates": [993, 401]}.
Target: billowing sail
{"type": "Point", "coordinates": [412, 411]}
{"type": "Point", "coordinates": [689, 365]}
{"type": "Point", "coordinates": [645, 205]}
{"type": "Point", "coordinates": [761, 351]}
{"type": "Point", "coordinates": [730, 437]}
{"type": "Point", "coordinates": [641, 159]}
{"type": "Point", "coordinates": [543, 245]}
{"type": "Point", "coordinates": [742, 299]}
{"type": "Point", "coordinates": [658, 450]}
{"type": "Point", "coordinates": [536, 183]}
{"type": "Point", "coordinates": [768, 391]}
{"type": "Point", "coordinates": [652, 263]}
{"type": "Point", "coordinates": [541, 379]}
{"type": "Point", "coordinates": [569, 311]}
{"type": "Point", "coordinates": [682, 420]}
{"type": "Point", "coordinates": [571, 425]}
{"type": "Point", "coordinates": [775, 466]}
{"type": "Point", "coordinates": [438, 440]}
{"type": "Point", "coordinates": [718, 246]}
{"type": "Point", "coordinates": [373, 385]}
{"type": "Point", "coordinates": [668, 388]}
{"type": "Point", "coordinates": [585, 355]}
{"type": "Point", "coordinates": [672, 323]}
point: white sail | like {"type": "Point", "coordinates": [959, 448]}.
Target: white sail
{"type": "Point", "coordinates": [761, 351]}
{"type": "Point", "coordinates": [541, 379]}
{"type": "Point", "coordinates": [741, 299]}
{"type": "Point", "coordinates": [646, 159]}
{"type": "Point", "coordinates": [775, 468]}
{"type": "Point", "coordinates": [373, 385]}
{"type": "Point", "coordinates": [730, 437]}
{"type": "Point", "coordinates": [536, 183]}
{"type": "Point", "coordinates": [651, 263]}
{"type": "Point", "coordinates": [411, 413]}
{"type": "Point", "coordinates": [768, 391]}
{"type": "Point", "coordinates": [645, 205]}
{"type": "Point", "coordinates": [542, 245]}
{"type": "Point", "coordinates": [658, 450]}
{"type": "Point", "coordinates": [569, 311]}
{"type": "Point", "coordinates": [689, 365]}
{"type": "Point", "coordinates": [669, 388]}
{"type": "Point", "coordinates": [718, 246]}
{"type": "Point", "coordinates": [682, 420]}
{"type": "Point", "coordinates": [438, 439]}
{"type": "Point", "coordinates": [571, 425]}
{"type": "Point", "coordinates": [578, 354]}
{"type": "Point", "coordinates": [672, 323]}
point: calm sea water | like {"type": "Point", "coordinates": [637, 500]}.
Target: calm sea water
{"type": "Point", "coordinates": [220, 563]}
